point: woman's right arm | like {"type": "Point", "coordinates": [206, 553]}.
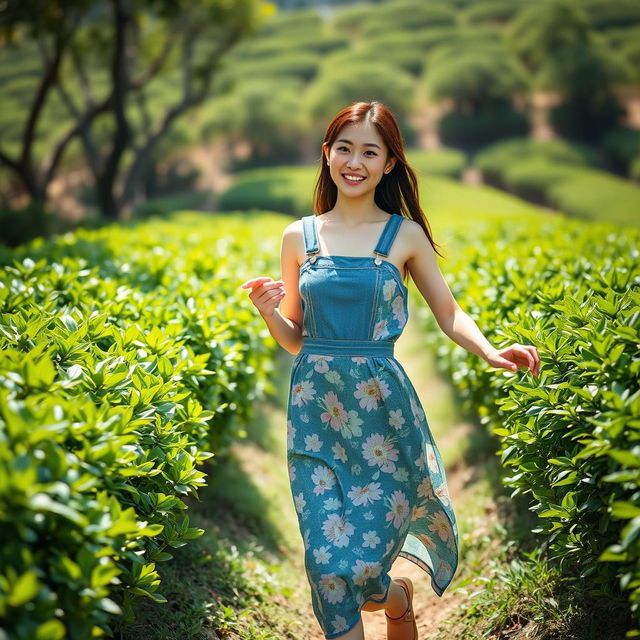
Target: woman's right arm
{"type": "Point", "coordinates": [285, 323]}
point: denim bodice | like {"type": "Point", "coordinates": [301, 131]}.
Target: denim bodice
{"type": "Point", "coordinates": [352, 298]}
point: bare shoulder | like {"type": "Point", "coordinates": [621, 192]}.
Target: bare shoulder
{"type": "Point", "coordinates": [413, 238]}
{"type": "Point", "coordinates": [409, 237]}
{"type": "Point", "coordinates": [293, 239]}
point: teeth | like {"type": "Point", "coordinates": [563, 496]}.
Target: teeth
{"type": "Point", "coordinates": [355, 178]}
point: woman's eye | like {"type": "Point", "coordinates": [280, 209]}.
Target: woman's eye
{"type": "Point", "coordinates": [367, 151]}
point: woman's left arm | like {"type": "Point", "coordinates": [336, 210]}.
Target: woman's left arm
{"type": "Point", "coordinates": [453, 321]}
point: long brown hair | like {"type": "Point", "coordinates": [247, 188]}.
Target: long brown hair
{"type": "Point", "coordinates": [397, 191]}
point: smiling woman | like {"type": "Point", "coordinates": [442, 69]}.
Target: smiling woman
{"type": "Point", "coordinates": [367, 479]}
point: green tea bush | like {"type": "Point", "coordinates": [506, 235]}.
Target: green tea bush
{"type": "Point", "coordinates": [287, 189]}
{"type": "Point", "coordinates": [569, 437]}
{"type": "Point", "coordinates": [127, 358]}
{"type": "Point", "coordinates": [557, 175]}
{"type": "Point", "coordinates": [444, 161]}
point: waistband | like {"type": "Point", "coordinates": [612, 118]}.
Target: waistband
{"type": "Point", "coordinates": [327, 346]}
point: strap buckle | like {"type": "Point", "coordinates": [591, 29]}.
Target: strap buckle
{"type": "Point", "coordinates": [378, 260]}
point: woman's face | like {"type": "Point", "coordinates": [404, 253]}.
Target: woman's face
{"type": "Point", "coordinates": [358, 151]}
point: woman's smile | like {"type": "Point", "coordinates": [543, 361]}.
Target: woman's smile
{"type": "Point", "coordinates": [353, 178]}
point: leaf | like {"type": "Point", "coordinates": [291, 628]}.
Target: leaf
{"type": "Point", "coordinates": [50, 630]}
{"type": "Point", "coordinates": [25, 589]}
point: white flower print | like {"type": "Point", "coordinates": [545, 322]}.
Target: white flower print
{"type": "Point", "coordinates": [302, 392]}
{"type": "Point", "coordinates": [431, 459]}
{"type": "Point", "coordinates": [292, 471]}
{"type": "Point", "coordinates": [368, 516]}
{"type": "Point", "coordinates": [363, 571]}
{"type": "Point", "coordinates": [300, 502]}
{"type": "Point", "coordinates": [420, 461]}
{"type": "Point", "coordinates": [352, 427]}
{"type": "Point", "coordinates": [359, 359]}
{"type": "Point", "coordinates": [305, 538]}
{"type": "Point", "coordinates": [380, 331]}
{"type": "Point", "coordinates": [388, 289]}
{"type": "Point", "coordinates": [371, 392]}
{"type": "Point", "coordinates": [370, 539]}
{"type": "Point", "coordinates": [332, 504]}
{"type": "Point", "coordinates": [356, 469]}
{"type": "Point", "coordinates": [401, 475]}
{"type": "Point", "coordinates": [399, 314]}
{"type": "Point", "coordinates": [322, 555]}
{"type": "Point", "coordinates": [396, 419]}
{"type": "Point", "coordinates": [418, 414]}
{"type": "Point", "coordinates": [399, 508]}
{"type": "Point", "coordinates": [321, 362]}
{"type": "Point", "coordinates": [312, 443]}
{"type": "Point", "coordinates": [339, 452]}
{"type": "Point", "coordinates": [442, 493]}
{"type": "Point", "coordinates": [291, 434]}
{"type": "Point", "coordinates": [334, 377]}
{"type": "Point", "coordinates": [365, 495]}
{"type": "Point", "coordinates": [378, 450]}
{"type": "Point", "coordinates": [337, 530]}
{"type": "Point", "coordinates": [332, 587]}
{"type": "Point", "coordinates": [339, 624]}
{"type": "Point", "coordinates": [323, 478]}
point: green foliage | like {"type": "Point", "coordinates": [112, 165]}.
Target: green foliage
{"type": "Point", "coordinates": [553, 173]}
{"type": "Point", "coordinates": [346, 83]}
{"type": "Point", "coordinates": [492, 11]}
{"type": "Point", "coordinates": [444, 161]}
{"type": "Point", "coordinates": [408, 15]}
{"type": "Point", "coordinates": [286, 189]}
{"type": "Point", "coordinates": [570, 436]}
{"type": "Point", "coordinates": [604, 13]}
{"type": "Point", "coordinates": [22, 224]}
{"type": "Point", "coordinates": [484, 126]}
{"type": "Point", "coordinates": [475, 75]}
{"type": "Point", "coordinates": [127, 358]}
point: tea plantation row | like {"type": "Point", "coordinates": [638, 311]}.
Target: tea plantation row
{"type": "Point", "coordinates": [127, 358]}
{"type": "Point", "coordinates": [570, 438]}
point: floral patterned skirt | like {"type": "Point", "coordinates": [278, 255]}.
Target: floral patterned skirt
{"type": "Point", "coordinates": [367, 481]}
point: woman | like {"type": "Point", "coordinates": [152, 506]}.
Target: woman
{"type": "Point", "coordinates": [366, 477]}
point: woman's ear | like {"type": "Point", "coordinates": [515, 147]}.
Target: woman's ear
{"type": "Point", "coordinates": [391, 164]}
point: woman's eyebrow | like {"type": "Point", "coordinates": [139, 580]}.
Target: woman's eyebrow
{"type": "Point", "coordinates": [366, 144]}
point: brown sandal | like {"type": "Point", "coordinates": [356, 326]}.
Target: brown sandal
{"type": "Point", "coordinates": [404, 627]}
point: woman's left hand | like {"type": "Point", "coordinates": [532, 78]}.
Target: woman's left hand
{"type": "Point", "coordinates": [517, 355]}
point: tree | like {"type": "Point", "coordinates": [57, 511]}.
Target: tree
{"type": "Point", "coordinates": [555, 40]}
{"type": "Point", "coordinates": [131, 49]}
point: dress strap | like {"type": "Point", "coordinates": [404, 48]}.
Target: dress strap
{"type": "Point", "coordinates": [388, 235]}
{"type": "Point", "coordinates": [310, 234]}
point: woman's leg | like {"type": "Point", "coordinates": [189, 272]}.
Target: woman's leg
{"type": "Point", "coordinates": [395, 605]}
{"type": "Point", "coordinates": [356, 633]}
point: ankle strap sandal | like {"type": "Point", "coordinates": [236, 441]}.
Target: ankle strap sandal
{"type": "Point", "coordinates": [404, 627]}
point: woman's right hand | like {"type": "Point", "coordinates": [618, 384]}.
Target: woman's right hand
{"type": "Point", "coordinates": [265, 294]}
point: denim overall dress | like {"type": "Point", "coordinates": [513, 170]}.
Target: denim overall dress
{"type": "Point", "coordinates": [367, 480]}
